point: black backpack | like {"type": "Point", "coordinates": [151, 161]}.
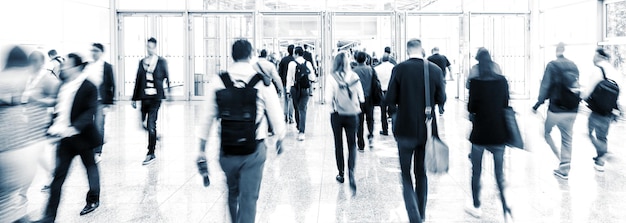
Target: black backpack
{"type": "Point", "coordinates": [302, 75]}
{"type": "Point", "coordinates": [568, 90]}
{"type": "Point", "coordinates": [237, 113]}
{"type": "Point", "coordinates": [603, 98]}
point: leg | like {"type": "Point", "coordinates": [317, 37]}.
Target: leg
{"type": "Point", "coordinates": [383, 118]}
{"type": "Point", "coordinates": [602, 130]}
{"type": "Point", "coordinates": [421, 180]}
{"type": "Point", "coordinates": [18, 167]}
{"type": "Point", "coordinates": [350, 124]}
{"type": "Point", "coordinates": [360, 131]}
{"type": "Point", "coordinates": [93, 176]}
{"type": "Point", "coordinates": [566, 124]}
{"type": "Point", "coordinates": [335, 123]}
{"type": "Point", "coordinates": [99, 121]}
{"type": "Point", "coordinates": [550, 123]}
{"type": "Point", "coordinates": [498, 160]}
{"type": "Point", "coordinates": [64, 155]}
{"type": "Point", "coordinates": [369, 117]}
{"type": "Point", "coordinates": [250, 184]}
{"type": "Point", "coordinates": [230, 166]}
{"type": "Point", "coordinates": [302, 107]}
{"type": "Point", "coordinates": [406, 148]}
{"type": "Point", "coordinates": [477, 162]}
{"type": "Point", "coordinates": [153, 113]}
{"type": "Point", "coordinates": [295, 95]}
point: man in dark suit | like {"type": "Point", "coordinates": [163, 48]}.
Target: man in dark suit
{"type": "Point", "coordinates": [283, 66]}
{"type": "Point", "coordinates": [101, 75]}
{"type": "Point", "coordinates": [149, 90]}
{"type": "Point", "coordinates": [74, 125]}
{"type": "Point", "coordinates": [406, 90]}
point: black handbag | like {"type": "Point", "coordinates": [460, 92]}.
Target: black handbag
{"type": "Point", "coordinates": [514, 136]}
{"type": "Point", "coordinates": [437, 157]}
{"type": "Point", "coordinates": [377, 92]}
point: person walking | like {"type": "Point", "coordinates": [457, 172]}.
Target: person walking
{"type": "Point", "coordinates": [488, 99]}
{"type": "Point", "coordinates": [283, 66]}
{"type": "Point", "coordinates": [366, 76]}
{"type": "Point", "coordinates": [383, 70]}
{"type": "Point", "coordinates": [101, 74]}
{"type": "Point", "coordinates": [300, 74]}
{"type": "Point", "coordinates": [407, 92]}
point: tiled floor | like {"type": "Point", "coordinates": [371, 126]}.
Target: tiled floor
{"type": "Point", "coordinates": [299, 185]}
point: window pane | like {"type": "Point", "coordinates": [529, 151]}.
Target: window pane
{"type": "Point", "coordinates": [360, 5]}
{"type": "Point", "coordinates": [145, 5]}
{"type": "Point", "coordinates": [616, 19]}
{"type": "Point", "coordinates": [430, 5]}
{"type": "Point", "coordinates": [497, 5]}
{"type": "Point", "coordinates": [222, 4]}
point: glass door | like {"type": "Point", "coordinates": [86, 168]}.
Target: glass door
{"type": "Point", "coordinates": [369, 32]}
{"type": "Point", "coordinates": [211, 37]}
{"type": "Point", "coordinates": [135, 30]}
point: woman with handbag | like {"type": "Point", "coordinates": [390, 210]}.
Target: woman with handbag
{"type": "Point", "coordinates": [488, 98]}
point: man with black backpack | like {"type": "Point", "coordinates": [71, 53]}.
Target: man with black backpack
{"type": "Point", "coordinates": [300, 74]}
{"type": "Point", "coordinates": [233, 102]}
{"type": "Point", "coordinates": [560, 85]}
{"type": "Point", "coordinates": [601, 97]}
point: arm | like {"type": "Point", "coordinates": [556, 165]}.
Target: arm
{"type": "Point", "coordinates": [210, 112]}
{"type": "Point", "coordinates": [329, 92]}
{"type": "Point", "coordinates": [312, 76]}
{"type": "Point", "coordinates": [440, 87]}
{"type": "Point", "coordinates": [274, 111]}
{"type": "Point", "coordinates": [291, 72]}
{"type": "Point", "coordinates": [108, 85]}
{"type": "Point", "coordinates": [471, 102]}
{"type": "Point", "coordinates": [277, 81]}
{"type": "Point", "coordinates": [359, 89]}
{"type": "Point", "coordinates": [391, 98]}
{"type": "Point", "coordinates": [166, 75]}
{"type": "Point", "coordinates": [89, 97]}
{"type": "Point", "coordinates": [50, 90]}
{"type": "Point", "coordinates": [544, 90]}
{"type": "Point", "coordinates": [138, 85]}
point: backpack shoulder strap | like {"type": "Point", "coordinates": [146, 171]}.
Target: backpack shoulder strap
{"type": "Point", "coordinates": [228, 83]}
{"type": "Point", "coordinates": [603, 73]}
{"type": "Point", "coordinates": [256, 78]}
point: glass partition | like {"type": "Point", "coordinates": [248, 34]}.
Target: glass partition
{"type": "Point", "coordinates": [222, 4]}
{"type": "Point", "coordinates": [615, 17]}
{"type": "Point", "coordinates": [148, 5]}
{"type": "Point", "coordinates": [369, 33]}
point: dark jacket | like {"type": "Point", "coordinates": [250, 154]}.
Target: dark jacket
{"type": "Point", "coordinates": [551, 77]}
{"type": "Point", "coordinates": [406, 90]}
{"type": "Point", "coordinates": [107, 88]}
{"type": "Point", "coordinates": [283, 66]}
{"type": "Point", "coordinates": [488, 97]}
{"type": "Point", "coordinates": [160, 74]}
{"type": "Point", "coordinates": [365, 73]}
{"type": "Point", "coordinates": [308, 56]}
{"type": "Point", "coordinates": [82, 118]}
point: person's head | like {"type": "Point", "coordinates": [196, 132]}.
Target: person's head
{"type": "Point", "coordinates": [388, 50]}
{"type": "Point", "coordinates": [560, 48]}
{"type": "Point", "coordinates": [484, 62]}
{"type": "Point", "coordinates": [298, 51]}
{"type": "Point", "coordinates": [385, 58]}
{"type": "Point", "coordinates": [263, 53]}
{"type": "Point", "coordinates": [242, 50]}
{"type": "Point", "coordinates": [72, 67]}
{"type": "Point", "coordinates": [601, 55]}
{"type": "Point", "coordinates": [361, 57]}
{"type": "Point", "coordinates": [435, 50]}
{"type": "Point", "coordinates": [97, 50]}
{"type": "Point", "coordinates": [17, 58]}
{"type": "Point", "coordinates": [341, 64]}
{"type": "Point", "coordinates": [151, 46]}
{"type": "Point", "coordinates": [37, 60]}
{"type": "Point", "coordinates": [306, 46]}
{"type": "Point", "coordinates": [414, 47]}
{"type": "Point", "coordinates": [290, 49]}
{"type": "Point", "coordinates": [52, 53]}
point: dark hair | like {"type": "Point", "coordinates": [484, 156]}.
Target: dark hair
{"type": "Point", "coordinates": [485, 64]}
{"type": "Point", "coordinates": [413, 43]}
{"type": "Point", "coordinates": [361, 57]}
{"type": "Point", "coordinates": [16, 58]}
{"type": "Point", "coordinates": [152, 40]}
{"type": "Point", "coordinates": [290, 49]}
{"type": "Point", "coordinates": [76, 61]}
{"type": "Point", "coordinates": [52, 52]}
{"type": "Point", "coordinates": [99, 46]}
{"type": "Point", "coordinates": [242, 49]}
{"type": "Point", "coordinates": [603, 53]}
{"type": "Point", "coordinates": [387, 49]}
{"type": "Point", "coordinates": [306, 46]}
{"type": "Point", "coordinates": [298, 51]}
{"type": "Point", "coordinates": [263, 53]}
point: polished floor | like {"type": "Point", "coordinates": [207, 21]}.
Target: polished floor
{"type": "Point", "coordinates": [300, 186]}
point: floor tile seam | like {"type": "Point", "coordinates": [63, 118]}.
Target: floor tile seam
{"type": "Point", "coordinates": [176, 191]}
{"type": "Point", "coordinates": [319, 200]}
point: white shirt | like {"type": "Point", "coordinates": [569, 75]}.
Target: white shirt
{"type": "Point", "coordinates": [291, 72]}
{"type": "Point", "coordinates": [267, 103]}
{"type": "Point", "coordinates": [95, 72]}
{"type": "Point", "coordinates": [269, 69]}
{"type": "Point", "coordinates": [65, 100]}
{"type": "Point", "coordinates": [384, 74]}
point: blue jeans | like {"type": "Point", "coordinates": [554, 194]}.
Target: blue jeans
{"type": "Point", "coordinates": [150, 111]}
{"type": "Point", "coordinates": [600, 125]}
{"type": "Point", "coordinates": [99, 120]}
{"type": "Point", "coordinates": [288, 107]}
{"type": "Point", "coordinates": [243, 177]}
{"type": "Point", "coordinates": [300, 102]}
{"type": "Point", "coordinates": [414, 199]}
{"type": "Point", "coordinates": [565, 122]}
{"type": "Point", "coordinates": [477, 161]}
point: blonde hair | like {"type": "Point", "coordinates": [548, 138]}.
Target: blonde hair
{"type": "Point", "coordinates": [341, 64]}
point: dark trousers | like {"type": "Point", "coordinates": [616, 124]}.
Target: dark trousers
{"type": "Point", "coordinates": [477, 160]}
{"type": "Point", "coordinates": [99, 121]}
{"type": "Point", "coordinates": [347, 123]}
{"type": "Point", "coordinates": [150, 111]}
{"type": "Point", "coordinates": [243, 177]}
{"type": "Point", "coordinates": [414, 198]}
{"type": "Point", "coordinates": [367, 115]}
{"type": "Point", "coordinates": [600, 125]}
{"type": "Point", "coordinates": [65, 153]}
{"type": "Point", "coordinates": [386, 111]}
{"type": "Point", "coordinates": [300, 101]}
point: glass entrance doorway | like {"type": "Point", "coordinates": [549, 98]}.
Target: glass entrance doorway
{"type": "Point", "coordinates": [363, 32]}
{"type": "Point", "coordinates": [169, 30]}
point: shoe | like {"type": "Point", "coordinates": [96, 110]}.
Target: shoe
{"type": "Point", "coordinates": [473, 211]}
{"type": "Point", "coordinates": [362, 150]}
{"type": "Point", "coordinates": [560, 175]}
{"type": "Point", "coordinates": [149, 159]}
{"type": "Point", "coordinates": [45, 188]}
{"type": "Point", "coordinates": [89, 208]}
{"type": "Point", "coordinates": [508, 218]}
{"type": "Point", "coordinates": [339, 178]}
{"type": "Point", "coordinates": [301, 137]}
{"type": "Point", "coordinates": [98, 158]}
{"type": "Point", "coordinates": [384, 133]}
{"type": "Point", "coordinates": [598, 167]}
{"type": "Point", "coordinates": [370, 141]}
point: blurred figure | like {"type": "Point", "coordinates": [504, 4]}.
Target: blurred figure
{"type": "Point", "coordinates": [366, 77]}
{"type": "Point", "coordinates": [308, 56]}
{"type": "Point", "coordinates": [346, 94]}
{"type": "Point", "coordinates": [55, 62]}
{"type": "Point", "coordinates": [20, 138]}
{"type": "Point", "coordinates": [74, 125]}
{"type": "Point", "coordinates": [443, 63]}
{"type": "Point", "coordinates": [300, 74]}
{"type": "Point", "coordinates": [488, 98]}
{"type": "Point", "coordinates": [151, 73]}
{"type": "Point", "coordinates": [267, 68]}
{"type": "Point", "coordinates": [41, 91]}
{"type": "Point", "coordinates": [387, 53]}
{"type": "Point", "coordinates": [101, 74]}
{"type": "Point", "coordinates": [283, 66]}
{"type": "Point", "coordinates": [383, 70]}
{"type": "Point", "coordinates": [406, 90]}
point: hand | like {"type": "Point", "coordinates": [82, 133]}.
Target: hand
{"type": "Point", "coordinates": [203, 169]}
{"type": "Point", "coordinates": [134, 104]}
{"type": "Point", "coordinates": [288, 94]}
{"type": "Point", "coordinates": [279, 146]}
